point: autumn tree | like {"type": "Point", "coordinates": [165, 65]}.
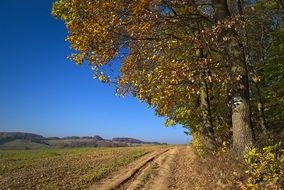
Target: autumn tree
{"type": "Point", "coordinates": [192, 61]}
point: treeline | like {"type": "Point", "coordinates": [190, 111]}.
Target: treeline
{"type": "Point", "coordinates": [75, 137]}
{"type": "Point", "coordinates": [98, 141]}
{"type": "Point", "coordinates": [134, 141]}
{"type": "Point", "coordinates": [72, 141]}
{"type": "Point", "coordinates": [89, 143]}
{"type": "Point", "coordinates": [10, 136]}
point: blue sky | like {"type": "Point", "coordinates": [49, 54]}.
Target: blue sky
{"type": "Point", "coordinates": [44, 93]}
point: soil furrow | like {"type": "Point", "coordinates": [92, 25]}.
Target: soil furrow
{"type": "Point", "coordinates": [171, 168]}
{"type": "Point", "coordinates": [124, 178]}
{"type": "Point", "coordinates": [133, 178]}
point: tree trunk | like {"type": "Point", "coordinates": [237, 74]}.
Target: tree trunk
{"type": "Point", "coordinates": [281, 4]}
{"type": "Point", "coordinates": [206, 108]}
{"type": "Point", "coordinates": [241, 116]}
{"type": "Point", "coordinates": [243, 137]}
{"type": "Point", "coordinates": [208, 130]}
{"type": "Point", "coordinates": [260, 109]}
{"type": "Point", "coordinates": [206, 112]}
{"type": "Point", "coordinates": [221, 10]}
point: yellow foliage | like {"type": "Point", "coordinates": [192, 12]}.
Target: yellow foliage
{"type": "Point", "coordinates": [198, 143]}
{"type": "Point", "coordinates": [265, 167]}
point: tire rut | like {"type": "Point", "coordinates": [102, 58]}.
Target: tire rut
{"type": "Point", "coordinates": [134, 179]}
{"type": "Point", "coordinates": [125, 178]}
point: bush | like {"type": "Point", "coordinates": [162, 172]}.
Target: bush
{"type": "Point", "coordinates": [198, 143]}
{"type": "Point", "coordinates": [265, 167]}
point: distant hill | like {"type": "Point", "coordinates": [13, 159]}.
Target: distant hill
{"type": "Point", "coordinates": [20, 140]}
{"type": "Point", "coordinates": [10, 136]}
{"type": "Point", "coordinates": [22, 144]}
{"type": "Point", "coordinates": [6, 136]}
{"type": "Point", "coordinates": [133, 141]}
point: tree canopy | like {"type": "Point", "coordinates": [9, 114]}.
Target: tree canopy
{"type": "Point", "coordinates": [216, 67]}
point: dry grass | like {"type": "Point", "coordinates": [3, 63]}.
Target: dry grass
{"type": "Point", "coordinates": [219, 170]}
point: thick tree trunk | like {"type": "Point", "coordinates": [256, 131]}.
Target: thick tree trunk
{"type": "Point", "coordinates": [243, 137]}
{"type": "Point", "coordinates": [241, 116]}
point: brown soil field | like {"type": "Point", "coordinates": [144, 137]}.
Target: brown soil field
{"type": "Point", "coordinates": [76, 168]}
{"type": "Point", "coordinates": [129, 168]}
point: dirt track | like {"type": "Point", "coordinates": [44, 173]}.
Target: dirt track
{"type": "Point", "coordinates": [160, 170]}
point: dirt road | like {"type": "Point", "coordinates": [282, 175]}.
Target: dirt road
{"type": "Point", "coordinates": [164, 169]}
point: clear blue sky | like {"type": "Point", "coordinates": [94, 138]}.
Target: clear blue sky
{"type": "Point", "coordinates": [44, 93]}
